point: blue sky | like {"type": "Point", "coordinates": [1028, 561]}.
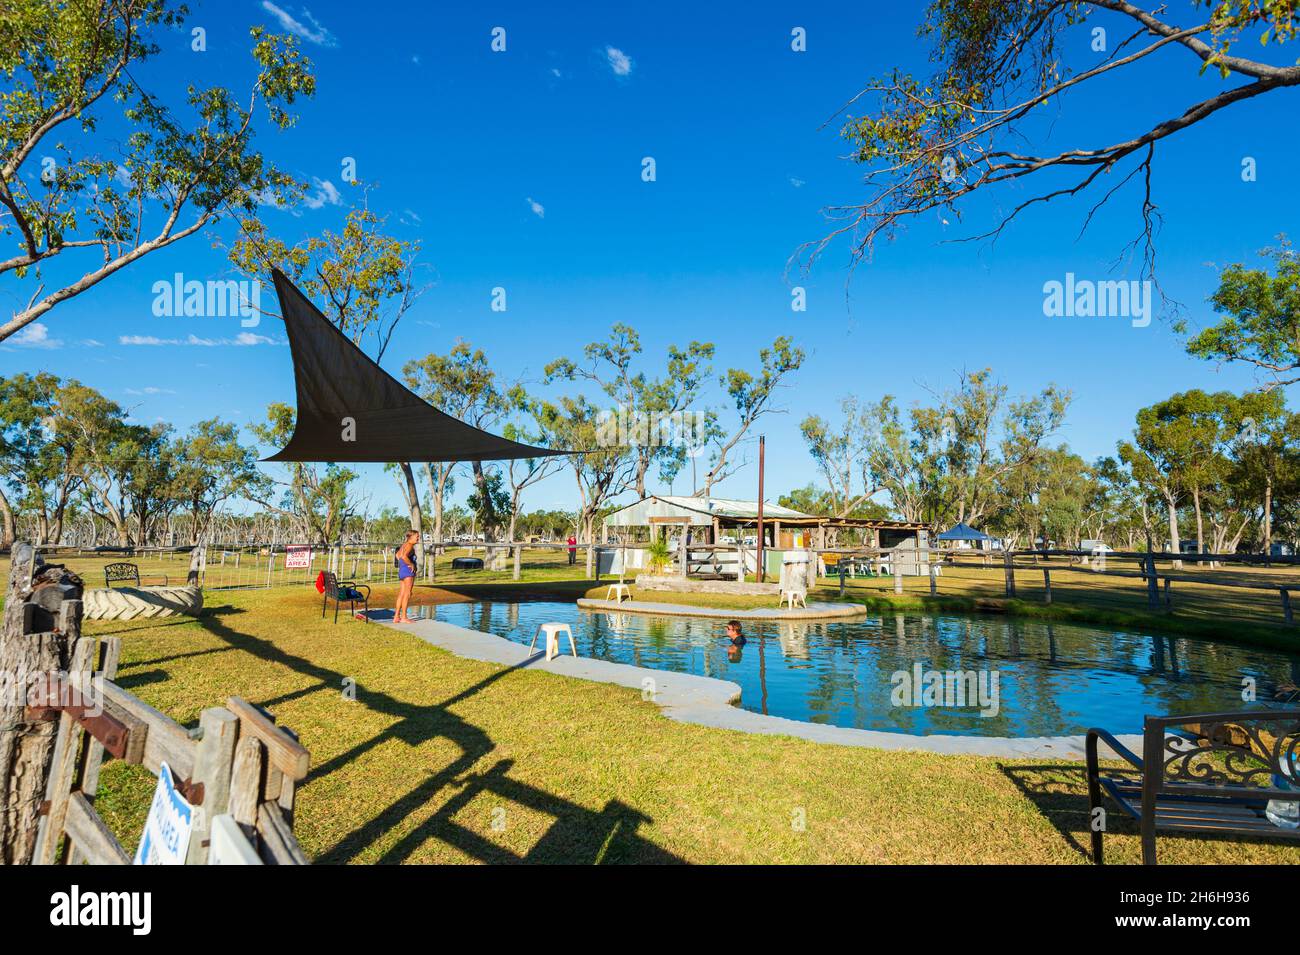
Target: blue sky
{"type": "Point", "coordinates": [522, 169]}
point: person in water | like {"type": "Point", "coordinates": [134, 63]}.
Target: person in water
{"type": "Point", "coordinates": [404, 558]}
{"type": "Point", "coordinates": [735, 641]}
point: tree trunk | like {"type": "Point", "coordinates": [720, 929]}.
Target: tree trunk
{"type": "Point", "coordinates": [413, 509]}
{"type": "Point", "coordinates": [1174, 541]}
{"type": "Point", "coordinates": [42, 624]}
{"type": "Point", "coordinates": [1200, 521]}
{"type": "Point", "coordinates": [588, 533]}
{"type": "Point", "coordinates": [9, 527]}
{"type": "Point", "coordinates": [1268, 514]}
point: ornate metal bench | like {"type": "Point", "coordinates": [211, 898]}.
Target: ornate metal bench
{"type": "Point", "coordinates": [122, 572]}
{"type": "Point", "coordinates": [344, 591]}
{"type": "Point", "coordinates": [1214, 774]}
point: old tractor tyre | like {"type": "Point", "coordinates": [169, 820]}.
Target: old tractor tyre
{"type": "Point", "coordinates": [142, 603]}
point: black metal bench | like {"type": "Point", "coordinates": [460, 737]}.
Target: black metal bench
{"type": "Point", "coordinates": [344, 591]}
{"type": "Point", "coordinates": [1207, 775]}
{"type": "Point", "coordinates": [121, 572]}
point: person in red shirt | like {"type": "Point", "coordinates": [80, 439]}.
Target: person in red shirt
{"type": "Point", "coordinates": [573, 550]}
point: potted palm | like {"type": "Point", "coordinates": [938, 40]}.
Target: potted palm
{"type": "Point", "coordinates": [658, 555]}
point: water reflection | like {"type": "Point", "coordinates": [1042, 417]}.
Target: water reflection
{"type": "Point", "coordinates": [1054, 678]}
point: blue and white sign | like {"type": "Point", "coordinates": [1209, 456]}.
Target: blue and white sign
{"type": "Point", "coordinates": [166, 839]}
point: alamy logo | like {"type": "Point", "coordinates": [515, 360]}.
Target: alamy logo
{"type": "Point", "coordinates": [214, 298]}
{"type": "Point", "coordinates": [1084, 298]}
{"type": "Point", "coordinates": [625, 428]}
{"type": "Point", "coordinates": [75, 907]}
{"type": "Point", "coordinates": [954, 689]}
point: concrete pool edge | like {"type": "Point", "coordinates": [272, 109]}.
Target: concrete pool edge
{"type": "Point", "coordinates": [706, 701]}
{"type": "Point", "coordinates": [817, 610]}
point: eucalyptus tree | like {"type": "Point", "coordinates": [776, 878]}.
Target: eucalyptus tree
{"type": "Point", "coordinates": [463, 384]}
{"type": "Point", "coordinates": [646, 409]}
{"type": "Point", "coordinates": [752, 396]}
{"type": "Point", "coordinates": [1177, 450]}
{"type": "Point", "coordinates": [842, 453]}
{"type": "Point", "coordinates": [319, 499]}
{"type": "Point", "coordinates": [1260, 323]}
{"type": "Point", "coordinates": [601, 470]}
{"type": "Point", "coordinates": [973, 128]}
{"type": "Point", "coordinates": [212, 466]}
{"type": "Point", "coordinates": [522, 473]}
{"type": "Point", "coordinates": [364, 280]}
{"type": "Point", "coordinates": [1265, 446]}
{"type": "Point", "coordinates": [73, 189]}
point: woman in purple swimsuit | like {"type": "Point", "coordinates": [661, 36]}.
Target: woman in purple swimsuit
{"type": "Point", "coordinates": [404, 558]}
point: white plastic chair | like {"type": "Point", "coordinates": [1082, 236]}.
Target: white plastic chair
{"type": "Point", "coordinates": [790, 596]}
{"type": "Point", "coordinates": [553, 631]}
{"type": "Point", "coordinates": [617, 592]}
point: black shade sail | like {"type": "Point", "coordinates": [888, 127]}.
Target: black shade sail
{"type": "Point", "coordinates": [350, 409]}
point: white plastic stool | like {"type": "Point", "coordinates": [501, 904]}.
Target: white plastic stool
{"type": "Point", "coordinates": [619, 591]}
{"type": "Point", "coordinates": [790, 596]}
{"type": "Point", "coordinates": [553, 631]}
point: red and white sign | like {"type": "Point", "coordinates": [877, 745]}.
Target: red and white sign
{"type": "Point", "coordinates": [297, 556]}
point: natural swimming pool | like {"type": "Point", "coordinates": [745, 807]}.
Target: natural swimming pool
{"type": "Point", "coordinates": [1051, 679]}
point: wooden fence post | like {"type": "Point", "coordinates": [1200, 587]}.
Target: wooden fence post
{"type": "Point", "coordinates": [517, 550]}
{"type": "Point", "coordinates": [934, 581]}
{"type": "Point", "coordinates": [1153, 584]}
{"type": "Point", "coordinates": [1286, 605]}
{"type": "Point", "coordinates": [1047, 585]}
{"type": "Point", "coordinates": [245, 784]}
{"type": "Point", "coordinates": [898, 577]}
{"type": "Point", "coordinates": [214, 760]}
{"type": "Point", "coordinates": [112, 652]}
{"type": "Point", "coordinates": [63, 768]}
{"type": "Point", "coordinates": [1009, 573]}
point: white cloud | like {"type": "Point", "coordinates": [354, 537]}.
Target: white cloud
{"type": "Point", "coordinates": [556, 72]}
{"type": "Point", "coordinates": [311, 31]}
{"type": "Point", "coordinates": [325, 194]}
{"type": "Point", "coordinates": [92, 343]}
{"type": "Point", "coordinates": [149, 390]}
{"type": "Point", "coordinates": [409, 217]}
{"type": "Point", "coordinates": [618, 61]}
{"type": "Point", "coordinates": [539, 210]}
{"type": "Point", "coordinates": [243, 338]}
{"type": "Point", "coordinates": [796, 182]}
{"type": "Point", "coordinates": [35, 335]}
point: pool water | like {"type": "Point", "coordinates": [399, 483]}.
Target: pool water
{"type": "Point", "coordinates": [1052, 679]}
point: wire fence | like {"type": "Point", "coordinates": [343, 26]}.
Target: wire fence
{"type": "Point", "coordinates": [1214, 587]}
{"type": "Point", "coordinates": [248, 566]}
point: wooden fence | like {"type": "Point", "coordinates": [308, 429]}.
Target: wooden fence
{"type": "Point", "coordinates": [237, 762]}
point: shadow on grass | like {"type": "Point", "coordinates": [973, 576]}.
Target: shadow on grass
{"type": "Point", "coordinates": [576, 836]}
{"type": "Point", "coordinates": [1059, 792]}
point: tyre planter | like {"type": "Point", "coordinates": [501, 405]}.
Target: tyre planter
{"type": "Point", "coordinates": [142, 603]}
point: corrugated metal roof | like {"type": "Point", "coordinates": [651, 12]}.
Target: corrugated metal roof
{"type": "Point", "coordinates": [728, 508]}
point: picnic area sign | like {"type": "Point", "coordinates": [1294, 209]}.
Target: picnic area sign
{"type": "Point", "coordinates": [166, 839]}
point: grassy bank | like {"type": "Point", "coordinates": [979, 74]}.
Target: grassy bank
{"type": "Point", "coordinates": [442, 759]}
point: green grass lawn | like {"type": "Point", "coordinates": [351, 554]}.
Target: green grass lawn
{"type": "Point", "coordinates": [442, 759]}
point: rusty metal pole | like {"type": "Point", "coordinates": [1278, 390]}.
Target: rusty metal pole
{"type": "Point", "coordinates": [761, 447]}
